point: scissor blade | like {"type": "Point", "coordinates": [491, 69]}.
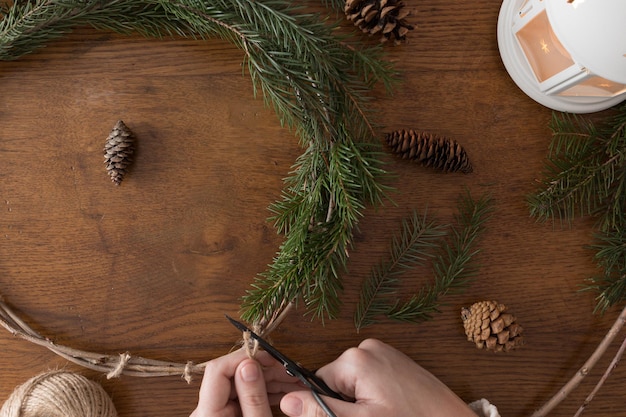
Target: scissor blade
{"type": "Point", "coordinates": [316, 384]}
{"type": "Point", "coordinates": [237, 324]}
{"type": "Point", "coordinates": [265, 345]}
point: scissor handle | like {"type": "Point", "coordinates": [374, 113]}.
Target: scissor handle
{"type": "Point", "coordinates": [321, 387]}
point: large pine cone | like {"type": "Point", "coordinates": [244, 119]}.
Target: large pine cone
{"type": "Point", "coordinates": [430, 150]}
{"type": "Point", "coordinates": [118, 152]}
{"type": "Point", "coordinates": [490, 327]}
{"type": "Point", "coordinates": [387, 17]}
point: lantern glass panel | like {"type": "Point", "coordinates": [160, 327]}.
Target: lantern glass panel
{"type": "Point", "coordinates": [595, 86]}
{"type": "Point", "coordinates": [543, 50]}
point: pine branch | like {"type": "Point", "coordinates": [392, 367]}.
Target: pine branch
{"type": "Point", "coordinates": [319, 235]}
{"type": "Point", "coordinates": [451, 267]}
{"type": "Point", "coordinates": [586, 176]}
{"type": "Point", "coordinates": [417, 241]}
{"type": "Point", "coordinates": [610, 256]}
{"type": "Point", "coordinates": [585, 173]}
{"type": "Point", "coordinates": [27, 26]}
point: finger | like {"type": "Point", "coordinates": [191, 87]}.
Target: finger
{"type": "Point", "coordinates": [303, 404]}
{"type": "Point", "coordinates": [343, 374]}
{"type": "Point", "coordinates": [215, 392]}
{"type": "Point", "coordinates": [276, 390]}
{"type": "Point", "coordinates": [277, 387]}
{"type": "Point", "coordinates": [250, 386]}
{"type": "Point", "coordinates": [231, 410]}
{"type": "Point", "coordinates": [266, 360]}
{"type": "Point", "coordinates": [276, 372]}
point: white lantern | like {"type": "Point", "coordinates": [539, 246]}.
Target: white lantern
{"type": "Point", "coordinates": [569, 55]}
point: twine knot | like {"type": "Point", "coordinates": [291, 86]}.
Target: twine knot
{"type": "Point", "coordinates": [117, 371]}
{"type": "Point", "coordinates": [250, 344]}
{"type": "Point", "coordinates": [59, 394]}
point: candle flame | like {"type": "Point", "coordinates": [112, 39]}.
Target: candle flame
{"type": "Point", "coordinates": [575, 3]}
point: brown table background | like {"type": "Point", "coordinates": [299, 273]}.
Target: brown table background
{"type": "Point", "coordinates": [151, 267]}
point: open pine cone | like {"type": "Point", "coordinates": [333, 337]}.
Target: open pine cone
{"type": "Point", "coordinates": [490, 327]}
{"type": "Point", "coordinates": [386, 17]}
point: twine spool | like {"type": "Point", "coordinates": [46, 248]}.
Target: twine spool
{"type": "Point", "coordinates": [59, 394]}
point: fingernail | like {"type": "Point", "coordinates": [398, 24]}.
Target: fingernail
{"type": "Point", "coordinates": [250, 372]}
{"type": "Point", "coordinates": [292, 406]}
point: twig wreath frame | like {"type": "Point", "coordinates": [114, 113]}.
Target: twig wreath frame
{"type": "Point", "coordinates": [317, 81]}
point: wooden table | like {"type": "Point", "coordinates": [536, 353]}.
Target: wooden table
{"type": "Point", "coordinates": [151, 267]}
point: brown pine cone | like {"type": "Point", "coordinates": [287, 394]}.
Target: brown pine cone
{"type": "Point", "coordinates": [490, 327]}
{"type": "Point", "coordinates": [118, 152]}
{"type": "Point", "coordinates": [430, 150]}
{"type": "Point", "coordinates": [387, 17]}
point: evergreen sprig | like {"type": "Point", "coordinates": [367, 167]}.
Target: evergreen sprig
{"type": "Point", "coordinates": [586, 176]}
{"type": "Point", "coordinates": [585, 173]}
{"type": "Point", "coordinates": [418, 239]}
{"type": "Point", "coordinates": [452, 248]}
{"type": "Point", "coordinates": [318, 83]}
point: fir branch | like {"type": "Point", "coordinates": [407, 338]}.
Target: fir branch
{"type": "Point", "coordinates": [610, 256]}
{"type": "Point", "coordinates": [585, 173]}
{"type": "Point", "coordinates": [27, 26]}
{"type": "Point", "coordinates": [586, 176]}
{"type": "Point", "coordinates": [417, 241]}
{"type": "Point", "coordinates": [319, 235]}
{"type": "Point", "coordinates": [451, 267]}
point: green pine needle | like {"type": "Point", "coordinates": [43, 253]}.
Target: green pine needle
{"type": "Point", "coordinates": [416, 243]}
{"type": "Point", "coordinates": [451, 265]}
{"type": "Point", "coordinates": [611, 258]}
{"type": "Point", "coordinates": [585, 173]}
{"type": "Point", "coordinates": [586, 176]}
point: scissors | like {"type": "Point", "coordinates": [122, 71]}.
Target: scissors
{"type": "Point", "coordinates": [308, 378]}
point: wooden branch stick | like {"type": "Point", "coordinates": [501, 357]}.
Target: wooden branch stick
{"type": "Point", "coordinates": [585, 369]}
{"type": "Point", "coordinates": [602, 380]}
{"type": "Point", "coordinates": [112, 365]}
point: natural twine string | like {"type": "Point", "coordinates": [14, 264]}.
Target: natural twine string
{"type": "Point", "coordinates": [250, 344]}
{"type": "Point", "coordinates": [59, 394]}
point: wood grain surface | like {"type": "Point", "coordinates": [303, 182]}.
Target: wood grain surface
{"type": "Point", "coordinates": [151, 267]}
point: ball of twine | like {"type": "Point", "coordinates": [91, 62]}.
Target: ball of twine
{"type": "Point", "coordinates": [59, 394]}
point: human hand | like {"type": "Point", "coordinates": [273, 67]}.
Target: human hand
{"type": "Point", "coordinates": [235, 385]}
{"type": "Point", "coordinates": [384, 382]}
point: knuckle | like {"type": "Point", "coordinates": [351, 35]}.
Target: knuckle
{"type": "Point", "coordinates": [254, 400]}
{"type": "Point", "coordinates": [371, 344]}
{"type": "Point", "coordinates": [357, 356]}
{"type": "Point", "coordinates": [319, 412]}
{"type": "Point", "coordinates": [211, 367]}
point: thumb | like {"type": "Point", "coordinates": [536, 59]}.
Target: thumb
{"type": "Point", "coordinates": [303, 404]}
{"type": "Point", "coordinates": [250, 387]}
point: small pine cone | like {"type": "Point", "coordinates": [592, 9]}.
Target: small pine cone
{"type": "Point", "coordinates": [430, 150]}
{"type": "Point", "coordinates": [118, 151]}
{"type": "Point", "coordinates": [490, 327]}
{"type": "Point", "coordinates": [387, 17]}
